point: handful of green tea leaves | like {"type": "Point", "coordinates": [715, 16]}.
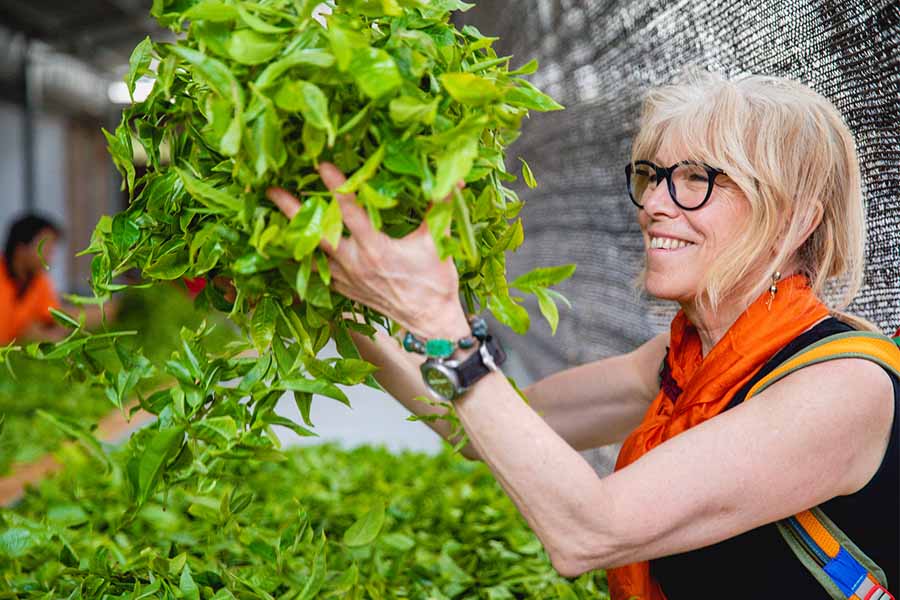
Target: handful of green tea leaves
{"type": "Point", "coordinates": [253, 95]}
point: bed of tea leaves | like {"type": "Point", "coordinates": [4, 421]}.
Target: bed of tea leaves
{"type": "Point", "coordinates": [32, 388]}
{"type": "Point", "coordinates": [322, 523]}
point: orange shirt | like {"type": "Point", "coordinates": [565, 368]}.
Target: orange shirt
{"type": "Point", "coordinates": [17, 313]}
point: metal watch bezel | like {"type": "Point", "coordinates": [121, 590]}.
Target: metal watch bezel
{"type": "Point", "coordinates": [445, 368]}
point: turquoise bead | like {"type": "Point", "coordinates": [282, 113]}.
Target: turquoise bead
{"type": "Point", "coordinates": [479, 328]}
{"type": "Point", "coordinates": [466, 343]}
{"type": "Point", "coordinates": [410, 343]}
{"type": "Point", "coordinates": [439, 348]}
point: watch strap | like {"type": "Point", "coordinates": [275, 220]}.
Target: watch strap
{"type": "Point", "coordinates": [474, 368]}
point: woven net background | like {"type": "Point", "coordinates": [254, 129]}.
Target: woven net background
{"type": "Point", "coordinates": [597, 57]}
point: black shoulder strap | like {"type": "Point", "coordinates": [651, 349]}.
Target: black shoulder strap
{"type": "Point", "coordinates": [826, 328]}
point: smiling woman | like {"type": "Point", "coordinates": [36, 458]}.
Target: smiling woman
{"type": "Point", "coordinates": [749, 201]}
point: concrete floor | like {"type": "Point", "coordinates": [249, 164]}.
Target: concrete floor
{"type": "Point", "coordinates": [375, 418]}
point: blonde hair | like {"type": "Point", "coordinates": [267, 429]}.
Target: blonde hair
{"type": "Point", "coordinates": [789, 151]}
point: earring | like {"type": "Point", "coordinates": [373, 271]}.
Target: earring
{"type": "Point", "coordinates": [773, 289]}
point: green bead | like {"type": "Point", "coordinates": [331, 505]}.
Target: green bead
{"type": "Point", "coordinates": [466, 343]}
{"type": "Point", "coordinates": [439, 348]}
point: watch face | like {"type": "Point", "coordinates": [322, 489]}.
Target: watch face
{"type": "Point", "coordinates": [442, 383]}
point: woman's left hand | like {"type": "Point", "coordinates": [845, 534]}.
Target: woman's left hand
{"type": "Point", "coordinates": [403, 279]}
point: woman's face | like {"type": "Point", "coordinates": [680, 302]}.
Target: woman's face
{"type": "Point", "coordinates": [681, 245]}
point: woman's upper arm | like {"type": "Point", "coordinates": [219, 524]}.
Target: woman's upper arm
{"type": "Point", "coordinates": [599, 403]}
{"type": "Point", "coordinates": [646, 361]}
{"type": "Point", "coordinates": [819, 433]}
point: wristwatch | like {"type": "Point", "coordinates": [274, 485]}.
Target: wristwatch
{"type": "Point", "coordinates": [448, 379]}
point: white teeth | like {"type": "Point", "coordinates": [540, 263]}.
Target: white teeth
{"type": "Point", "coordinates": [668, 243]}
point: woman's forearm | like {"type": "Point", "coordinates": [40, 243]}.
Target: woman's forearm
{"type": "Point", "coordinates": [551, 484]}
{"type": "Point", "coordinates": [398, 373]}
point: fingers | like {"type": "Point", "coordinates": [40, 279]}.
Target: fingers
{"type": "Point", "coordinates": [354, 216]}
{"type": "Point", "coordinates": [284, 200]}
{"type": "Point", "coordinates": [333, 179]}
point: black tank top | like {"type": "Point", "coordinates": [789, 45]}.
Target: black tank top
{"type": "Point", "coordinates": [759, 564]}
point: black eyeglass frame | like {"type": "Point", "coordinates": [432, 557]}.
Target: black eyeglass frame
{"type": "Point", "coordinates": [666, 173]}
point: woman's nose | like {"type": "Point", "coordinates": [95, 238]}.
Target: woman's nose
{"type": "Point", "coordinates": [657, 201]}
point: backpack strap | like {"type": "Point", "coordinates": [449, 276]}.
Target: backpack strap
{"type": "Point", "coordinates": [829, 555]}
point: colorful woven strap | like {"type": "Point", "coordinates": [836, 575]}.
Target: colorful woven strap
{"type": "Point", "coordinates": [832, 558]}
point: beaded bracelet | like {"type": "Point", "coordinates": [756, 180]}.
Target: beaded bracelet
{"type": "Point", "coordinates": [443, 348]}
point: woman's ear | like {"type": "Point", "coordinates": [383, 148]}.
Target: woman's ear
{"type": "Point", "coordinates": [814, 223]}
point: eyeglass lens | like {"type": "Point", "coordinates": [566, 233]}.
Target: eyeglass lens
{"type": "Point", "coordinates": [689, 187]}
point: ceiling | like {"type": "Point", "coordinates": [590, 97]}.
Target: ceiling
{"type": "Point", "coordinates": [101, 33]}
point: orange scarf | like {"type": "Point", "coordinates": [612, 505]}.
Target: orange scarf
{"type": "Point", "coordinates": [696, 388]}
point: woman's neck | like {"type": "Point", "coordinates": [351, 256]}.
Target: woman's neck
{"type": "Point", "coordinates": [712, 326]}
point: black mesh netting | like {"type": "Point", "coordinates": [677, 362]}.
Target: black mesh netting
{"type": "Point", "coordinates": [597, 57]}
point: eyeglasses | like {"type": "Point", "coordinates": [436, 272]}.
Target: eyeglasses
{"type": "Point", "coordinates": [690, 183]}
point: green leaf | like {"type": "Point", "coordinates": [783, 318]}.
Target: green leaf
{"type": "Point", "coordinates": [559, 298]}
{"type": "Point", "coordinates": [122, 155]}
{"type": "Point", "coordinates": [273, 419]}
{"type": "Point", "coordinates": [548, 308]}
{"type": "Point", "coordinates": [262, 326]}
{"type": "Point", "coordinates": [525, 94]}
{"type": "Point", "coordinates": [250, 47]}
{"type": "Point", "coordinates": [366, 529]}
{"type": "Point", "coordinates": [543, 277]}
{"type": "Point", "coordinates": [345, 43]}
{"type": "Point", "coordinates": [453, 166]}
{"type": "Point", "coordinates": [16, 541]}
{"type": "Point", "coordinates": [306, 229]}
{"type": "Point", "coordinates": [527, 175]}
{"type": "Point", "coordinates": [527, 69]}
{"type": "Point", "coordinates": [64, 319]}
{"type": "Point", "coordinates": [208, 195]}
{"type": "Point", "coordinates": [313, 386]}
{"type": "Point", "coordinates": [303, 400]}
{"type": "Point", "coordinates": [152, 462]}
{"type": "Point", "coordinates": [313, 57]}
{"type": "Point", "coordinates": [352, 371]}
{"type": "Point", "coordinates": [316, 578]}
{"type": "Point", "coordinates": [189, 589]}
{"type": "Point", "coordinates": [332, 224]}
{"type": "Point", "coordinates": [471, 89]}
{"type": "Point", "coordinates": [214, 429]}
{"type": "Point", "coordinates": [268, 144]}
{"type": "Point", "coordinates": [308, 99]}
{"type": "Point", "coordinates": [76, 431]}
{"type": "Point", "coordinates": [213, 72]}
{"type": "Point", "coordinates": [464, 223]}
{"type": "Point", "coordinates": [125, 232]}
{"type": "Point", "coordinates": [364, 173]}
{"type": "Point", "coordinates": [439, 217]}
{"type": "Point", "coordinates": [509, 313]}
{"type": "Point", "coordinates": [407, 109]}
{"type": "Point", "coordinates": [375, 72]}
{"type": "Point", "coordinates": [301, 283]}
{"type": "Point", "coordinates": [211, 10]}
{"type": "Point", "coordinates": [139, 64]}
{"type": "Point", "coordinates": [313, 140]}
{"type": "Point", "coordinates": [259, 25]}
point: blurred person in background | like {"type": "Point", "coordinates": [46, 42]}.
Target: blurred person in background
{"type": "Point", "coordinates": [26, 290]}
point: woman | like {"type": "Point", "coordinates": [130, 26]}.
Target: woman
{"type": "Point", "coordinates": [748, 197]}
{"type": "Point", "coordinates": [26, 291]}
